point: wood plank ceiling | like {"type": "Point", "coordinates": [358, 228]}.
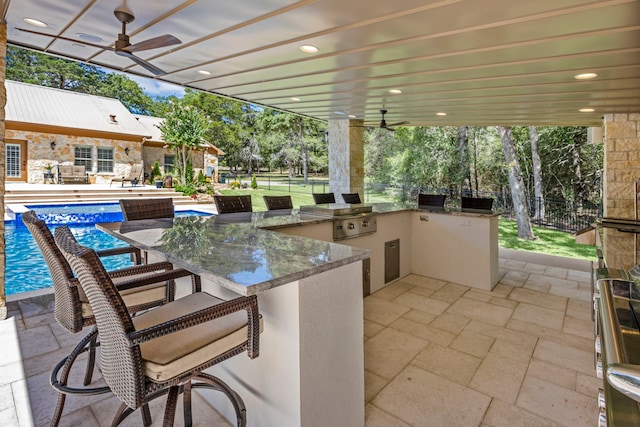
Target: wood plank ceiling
{"type": "Point", "coordinates": [482, 62]}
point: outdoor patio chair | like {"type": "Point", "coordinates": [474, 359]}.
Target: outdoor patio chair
{"type": "Point", "coordinates": [232, 204]}
{"type": "Point", "coordinates": [353, 198]}
{"type": "Point", "coordinates": [322, 198]}
{"type": "Point", "coordinates": [151, 208]}
{"type": "Point", "coordinates": [165, 350]}
{"type": "Point", "coordinates": [278, 202]}
{"type": "Point", "coordinates": [142, 287]}
{"type": "Point", "coordinates": [134, 177]}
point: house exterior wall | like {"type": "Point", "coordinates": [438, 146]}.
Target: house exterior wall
{"type": "Point", "coordinates": [155, 153]}
{"type": "Point", "coordinates": [39, 153]}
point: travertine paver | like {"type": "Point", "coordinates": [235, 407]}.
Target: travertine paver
{"type": "Point", "coordinates": [520, 355]}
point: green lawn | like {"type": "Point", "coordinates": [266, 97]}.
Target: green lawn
{"type": "Point", "coordinates": [549, 242]}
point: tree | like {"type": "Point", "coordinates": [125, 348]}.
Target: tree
{"type": "Point", "coordinates": [186, 128]}
{"type": "Point", "coordinates": [537, 174]}
{"type": "Point", "coordinates": [463, 153]}
{"type": "Point", "coordinates": [516, 184]}
{"type": "Point", "coordinates": [44, 70]}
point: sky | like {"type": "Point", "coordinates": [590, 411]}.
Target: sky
{"type": "Point", "coordinates": [154, 87]}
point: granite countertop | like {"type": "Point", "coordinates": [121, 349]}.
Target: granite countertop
{"type": "Point", "coordinates": [241, 251]}
{"type": "Point", "coordinates": [234, 254]}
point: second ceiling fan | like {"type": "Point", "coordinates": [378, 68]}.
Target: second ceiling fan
{"type": "Point", "coordinates": [387, 126]}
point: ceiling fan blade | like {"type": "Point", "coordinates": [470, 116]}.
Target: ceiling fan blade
{"type": "Point", "coordinates": [399, 123]}
{"type": "Point", "coordinates": [66, 39]}
{"type": "Point", "coordinates": [154, 43]}
{"type": "Point", "coordinates": [389, 129]}
{"type": "Point", "coordinates": [147, 65]}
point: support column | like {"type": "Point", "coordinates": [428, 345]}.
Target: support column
{"type": "Point", "coordinates": [621, 172]}
{"type": "Point", "coordinates": [3, 102]}
{"type": "Point", "coordinates": [346, 157]}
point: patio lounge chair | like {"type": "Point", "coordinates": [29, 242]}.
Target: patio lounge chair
{"type": "Point", "coordinates": [278, 202]}
{"type": "Point", "coordinates": [141, 286]}
{"type": "Point", "coordinates": [134, 177]}
{"type": "Point", "coordinates": [165, 350]}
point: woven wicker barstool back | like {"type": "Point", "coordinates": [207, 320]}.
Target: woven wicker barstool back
{"type": "Point", "coordinates": [353, 198]}
{"type": "Point", "coordinates": [67, 310]}
{"type": "Point", "coordinates": [120, 363]}
{"type": "Point", "coordinates": [322, 198]}
{"type": "Point", "coordinates": [154, 208]}
{"type": "Point", "coordinates": [278, 202]}
{"type": "Point", "coordinates": [233, 204]}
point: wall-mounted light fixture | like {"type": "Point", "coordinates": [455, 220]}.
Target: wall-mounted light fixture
{"type": "Point", "coordinates": [52, 145]}
{"type": "Point", "coordinates": [126, 151]}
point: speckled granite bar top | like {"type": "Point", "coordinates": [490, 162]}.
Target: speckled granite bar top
{"type": "Point", "coordinates": [245, 259]}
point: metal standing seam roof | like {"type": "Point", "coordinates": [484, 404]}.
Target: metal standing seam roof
{"type": "Point", "coordinates": [32, 104]}
{"type": "Point", "coordinates": [151, 124]}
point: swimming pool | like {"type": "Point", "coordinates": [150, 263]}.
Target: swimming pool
{"type": "Point", "coordinates": [26, 269]}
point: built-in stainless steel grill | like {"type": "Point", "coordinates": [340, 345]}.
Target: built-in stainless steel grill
{"type": "Point", "coordinates": [348, 220]}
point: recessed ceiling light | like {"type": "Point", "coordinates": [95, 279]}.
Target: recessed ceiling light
{"type": "Point", "coordinates": [89, 38]}
{"type": "Point", "coordinates": [395, 91]}
{"type": "Point", "coordinates": [585, 76]}
{"type": "Point", "coordinates": [342, 113]}
{"type": "Point", "coordinates": [204, 72]}
{"type": "Point", "coordinates": [35, 22]}
{"type": "Point", "coordinates": [351, 116]}
{"type": "Point", "coordinates": [295, 99]}
{"type": "Point", "coordinates": [586, 110]}
{"type": "Point", "coordinates": [82, 46]}
{"type": "Point", "coordinates": [309, 48]}
{"type": "Point", "coordinates": [441, 114]}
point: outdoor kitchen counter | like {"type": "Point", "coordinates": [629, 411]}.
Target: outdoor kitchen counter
{"type": "Point", "coordinates": [311, 366]}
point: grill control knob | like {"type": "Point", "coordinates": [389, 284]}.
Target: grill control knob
{"type": "Point", "coordinates": [599, 368]}
{"type": "Point", "coordinates": [351, 226]}
{"type": "Point", "coordinates": [365, 223]}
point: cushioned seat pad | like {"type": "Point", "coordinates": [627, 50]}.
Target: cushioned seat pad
{"type": "Point", "coordinates": [171, 355]}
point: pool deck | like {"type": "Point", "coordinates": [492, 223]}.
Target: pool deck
{"type": "Point", "coordinates": [79, 193]}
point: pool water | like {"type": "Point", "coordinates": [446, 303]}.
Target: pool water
{"type": "Point", "coordinates": [26, 269]}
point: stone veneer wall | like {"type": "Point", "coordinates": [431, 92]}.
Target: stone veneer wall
{"type": "Point", "coordinates": [39, 153]}
{"type": "Point", "coordinates": [3, 102]}
{"type": "Point", "coordinates": [153, 154]}
{"type": "Point", "coordinates": [622, 170]}
{"type": "Point", "coordinates": [346, 157]}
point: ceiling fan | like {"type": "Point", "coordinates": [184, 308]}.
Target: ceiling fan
{"type": "Point", "coordinates": [122, 45]}
{"type": "Point", "coordinates": [384, 125]}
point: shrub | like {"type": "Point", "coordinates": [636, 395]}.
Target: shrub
{"type": "Point", "coordinates": [155, 172]}
{"type": "Point", "coordinates": [254, 182]}
{"type": "Point", "coordinates": [201, 179]}
{"type": "Point", "coordinates": [234, 184]}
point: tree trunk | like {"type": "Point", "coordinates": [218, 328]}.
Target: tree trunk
{"type": "Point", "coordinates": [305, 154]}
{"type": "Point", "coordinates": [475, 159]}
{"type": "Point", "coordinates": [518, 194]}
{"type": "Point", "coordinates": [578, 193]}
{"type": "Point", "coordinates": [465, 171]}
{"type": "Point", "coordinates": [537, 175]}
